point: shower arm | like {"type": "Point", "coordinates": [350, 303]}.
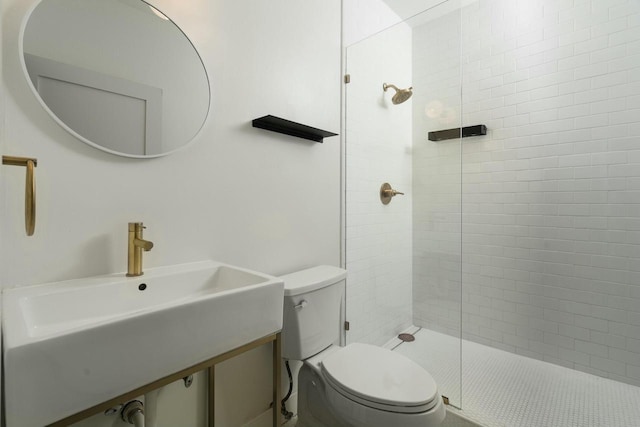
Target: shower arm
{"type": "Point", "coordinates": [386, 86]}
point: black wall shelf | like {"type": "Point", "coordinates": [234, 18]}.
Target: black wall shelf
{"type": "Point", "coordinates": [276, 124]}
{"type": "Point", "coordinates": [454, 133]}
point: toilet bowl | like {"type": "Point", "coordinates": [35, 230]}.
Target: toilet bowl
{"type": "Point", "coordinates": [358, 385]}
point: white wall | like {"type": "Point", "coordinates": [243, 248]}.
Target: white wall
{"type": "Point", "coordinates": [551, 239]}
{"type": "Point", "coordinates": [363, 18]}
{"type": "Point", "coordinates": [378, 150]}
{"type": "Point", "coordinates": [239, 195]}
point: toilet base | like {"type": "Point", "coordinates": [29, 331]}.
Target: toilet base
{"type": "Point", "coordinates": [312, 404]}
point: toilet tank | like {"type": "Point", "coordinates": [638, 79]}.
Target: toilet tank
{"type": "Point", "coordinates": [313, 300]}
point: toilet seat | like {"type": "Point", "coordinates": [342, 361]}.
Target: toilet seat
{"type": "Point", "coordinates": [380, 379]}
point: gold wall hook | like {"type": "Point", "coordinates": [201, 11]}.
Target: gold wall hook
{"type": "Point", "coordinates": [387, 193]}
{"type": "Point", "coordinates": [29, 191]}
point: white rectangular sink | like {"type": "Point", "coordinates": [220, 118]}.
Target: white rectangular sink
{"type": "Point", "coordinates": [74, 344]}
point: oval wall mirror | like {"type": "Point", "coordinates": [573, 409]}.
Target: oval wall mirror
{"type": "Point", "coordinates": [117, 74]}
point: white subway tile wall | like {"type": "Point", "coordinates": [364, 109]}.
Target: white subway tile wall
{"type": "Point", "coordinates": [548, 210]}
{"type": "Point", "coordinates": [378, 150]}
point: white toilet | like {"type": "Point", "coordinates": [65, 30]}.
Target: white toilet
{"type": "Point", "coordinates": [359, 385]}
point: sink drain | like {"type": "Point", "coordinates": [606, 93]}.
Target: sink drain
{"type": "Point", "coordinates": [406, 337]}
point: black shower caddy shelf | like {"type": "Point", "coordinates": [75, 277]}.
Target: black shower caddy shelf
{"type": "Point", "coordinates": [442, 135]}
{"type": "Point", "coordinates": [287, 127]}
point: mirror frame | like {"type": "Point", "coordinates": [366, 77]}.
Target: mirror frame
{"type": "Point", "coordinates": [66, 127]}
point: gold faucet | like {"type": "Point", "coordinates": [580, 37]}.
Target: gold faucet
{"type": "Point", "coordinates": [136, 246]}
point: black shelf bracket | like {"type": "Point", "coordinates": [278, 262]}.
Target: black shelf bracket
{"type": "Point", "coordinates": [287, 127]}
{"type": "Point", "coordinates": [454, 133]}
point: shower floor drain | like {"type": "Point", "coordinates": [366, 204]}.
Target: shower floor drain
{"type": "Point", "coordinates": [406, 337]}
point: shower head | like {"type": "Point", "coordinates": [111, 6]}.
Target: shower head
{"type": "Point", "coordinates": [401, 94]}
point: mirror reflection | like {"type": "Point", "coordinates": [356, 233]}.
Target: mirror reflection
{"type": "Point", "coordinates": [117, 74]}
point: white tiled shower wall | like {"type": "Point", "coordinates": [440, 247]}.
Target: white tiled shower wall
{"type": "Point", "coordinates": [550, 197]}
{"type": "Point", "coordinates": [378, 150]}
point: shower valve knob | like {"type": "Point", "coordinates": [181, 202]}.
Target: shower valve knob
{"type": "Point", "coordinates": [387, 193]}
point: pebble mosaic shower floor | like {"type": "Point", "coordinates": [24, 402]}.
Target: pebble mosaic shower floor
{"type": "Point", "coordinates": [502, 389]}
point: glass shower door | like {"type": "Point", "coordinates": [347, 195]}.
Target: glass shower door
{"type": "Point", "coordinates": [437, 205]}
{"type": "Point", "coordinates": [404, 257]}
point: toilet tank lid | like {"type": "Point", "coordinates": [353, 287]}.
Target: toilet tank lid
{"type": "Point", "coordinates": [312, 279]}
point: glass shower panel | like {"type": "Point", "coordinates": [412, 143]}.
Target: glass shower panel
{"type": "Point", "coordinates": [403, 258]}
{"type": "Point", "coordinates": [378, 150]}
{"type": "Point", "coordinates": [437, 194]}
{"type": "Point", "coordinates": [551, 195]}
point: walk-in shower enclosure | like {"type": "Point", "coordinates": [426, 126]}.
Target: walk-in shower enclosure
{"type": "Point", "coordinates": [526, 239]}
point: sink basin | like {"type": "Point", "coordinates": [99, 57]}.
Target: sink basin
{"type": "Point", "coordinates": [74, 344]}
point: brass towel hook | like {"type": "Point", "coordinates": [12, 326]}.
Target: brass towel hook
{"type": "Point", "coordinates": [29, 191]}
